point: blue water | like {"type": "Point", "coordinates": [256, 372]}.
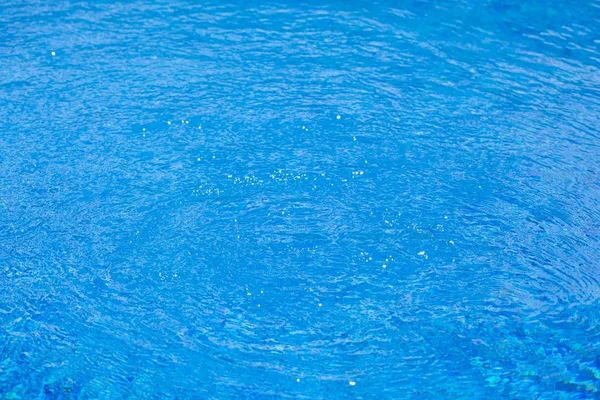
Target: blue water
{"type": "Point", "coordinates": [313, 200]}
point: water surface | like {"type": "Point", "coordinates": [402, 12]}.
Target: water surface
{"type": "Point", "coordinates": [310, 200]}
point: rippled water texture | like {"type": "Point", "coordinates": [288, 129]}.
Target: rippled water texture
{"type": "Point", "coordinates": [319, 201]}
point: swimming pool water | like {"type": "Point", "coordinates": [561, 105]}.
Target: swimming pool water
{"type": "Point", "coordinates": [318, 200]}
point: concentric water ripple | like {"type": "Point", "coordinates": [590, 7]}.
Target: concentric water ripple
{"type": "Point", "coordinates": [300, 200]}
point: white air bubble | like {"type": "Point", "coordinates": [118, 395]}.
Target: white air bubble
{"type": "Point", "coordinates": [53, 54]}
{"type": "Point", "coordinates": [352, 383]}
{"type": "Point", "coordinates": [338, 117]}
